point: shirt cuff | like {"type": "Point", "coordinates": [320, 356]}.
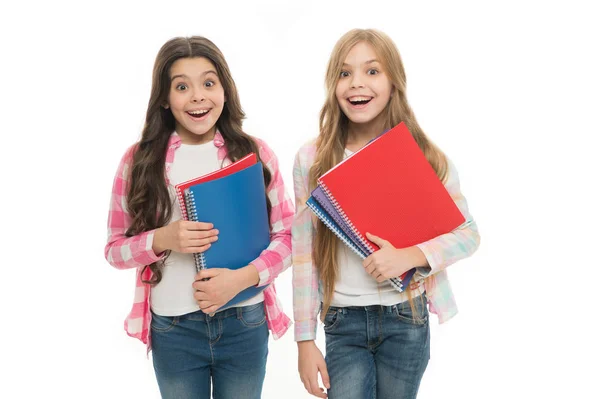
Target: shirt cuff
{"type": "Point", "coordinates": [305, 330]}
{"type": "Point", "coordinates": [151, 257]}
{"type": "Point", "coordinates": [263, 271]}
{"type": "Point", "coordinates": [432, 267]}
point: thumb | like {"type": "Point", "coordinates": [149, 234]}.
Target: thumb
{"type": "Point", "coordinates": [207, 273]}
{"type": "Point", "coordinates": [324, 374]}
{"type": "Point", "coordinates": [380, 242]}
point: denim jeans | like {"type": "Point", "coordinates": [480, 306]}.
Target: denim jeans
{"type": "Point", "coordinates": [194, 351]}
{"type": "Point", "coordinates": [376, 351]}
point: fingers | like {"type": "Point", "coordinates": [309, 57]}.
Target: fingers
{"type": "Point", "coordinates": [380, 242]}
{"type": "Point", "coordinates": [376, 240]}
{"type": "Point", "coordinates": [368, 260]}
{"type": "Point", "coordinates": [198, 242]}
{"type": "Point", "coordinates": [306, 383]}
{"type": "Point", "coordinates": [207, 273]}
{"type": "Point", "coordinates": [200, 296]}
{"type": "Point", "coordinates": [207, 308]}
{"type": "Point", "coordinates": [314, 388]}
{"type": "Point", "coordinates": [370, 268]}
{"type": "Point", "coordinates": [324, 374]}
{"type": "Point", "coordinates": [198, 225]}
{"type": "Point", "coordinates": [193, 250]}
{"type": "Point", "coordinates": [198, 235]}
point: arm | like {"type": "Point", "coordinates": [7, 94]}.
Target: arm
{"type": "Point", "coordinates": [460, 243]}
{"type": "Point", "coordinates": [121, 251]}
{"type": "Point", "coordinates": [431, 256]}
{"type": "Point", "coordinates": [306, 284]}
{"type": "Point", "coordinates": [277, 257]}
{"type": "Point", "coordinates": [305, 275]}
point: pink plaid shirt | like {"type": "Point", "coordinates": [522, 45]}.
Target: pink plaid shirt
{"type": "Point", "coordinates": [440, 252]}
{"type": "Point", "coordinates": [124, 252]}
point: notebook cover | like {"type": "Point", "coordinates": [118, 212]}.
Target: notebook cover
{"type": "Point", "coordinates": [324, 217]}
{"type": "Point", "coordinates": [240, 164]}
{"type": "Point", "coordinates": [236, 206]}
{"type": "Point", "coordinates": [321, 213]}
{"type": "Point", "coordinates": [319, 195]}
{"type": "Point", "coordinates": [388, 188]}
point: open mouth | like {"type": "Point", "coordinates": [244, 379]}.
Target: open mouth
{"type": "Point", "coordinates": [198, 114]}
{"type": "Point", "coordinates": [357, 101]}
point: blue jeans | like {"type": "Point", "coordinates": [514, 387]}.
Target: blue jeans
{"type": "Point", "coordinates": [376, 351]}
{"type": "Point", "coordinates": [229, 350]}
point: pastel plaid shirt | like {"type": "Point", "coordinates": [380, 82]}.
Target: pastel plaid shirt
{"type": "Point", "coordinates": [124, 252]}
{"type": "Point", "coordinates": [440, 252]}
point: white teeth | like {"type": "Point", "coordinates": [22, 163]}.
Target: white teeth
{"type": "Point", "coordinates": [198, 112]}
{"type": "Point", "coordinates": [359, 98]}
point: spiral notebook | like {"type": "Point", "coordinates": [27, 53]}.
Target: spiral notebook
{"type": "Point", "coordinates": [388, 188]}
{"type": "Point", "coordinates": [330, 222]}
{"type": "Point", "coordinates": [240, 164]}
{"type": "Point", "coordinates": [319, 195]}
{"type": "Point", "coordinates": [236, 205]}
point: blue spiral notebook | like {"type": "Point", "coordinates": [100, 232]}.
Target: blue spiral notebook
{"type": "Point", "coordinates": [236, 206]}
{"type": "Point", "coordinates": [332, 225]}
{"type": "Point", "coordinates": [321, 197]}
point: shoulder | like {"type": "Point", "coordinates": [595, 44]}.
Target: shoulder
{"type": "Point", "coordinates": [305, 155]}
{"type": "Point", "coordinates": [127, 158]}
{"type": "Point", "coordinates": [267, 155]}
{"type": "Point", "coordinates": [452, 181]}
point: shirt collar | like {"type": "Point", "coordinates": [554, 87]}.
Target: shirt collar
{"type": "Point", "coordinates": [175, 140]}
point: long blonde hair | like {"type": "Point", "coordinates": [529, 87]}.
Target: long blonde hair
{"type": "Point", "coordinates": [333, 135]}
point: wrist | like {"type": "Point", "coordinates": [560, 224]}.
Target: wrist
{"type": "Point", "coordinates": [248, 276]}
{"type": "Point", "coordinates": [157, 241]}
{"type": "Point", "coordinates": [418, 258]}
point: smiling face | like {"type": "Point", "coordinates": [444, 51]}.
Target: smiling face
{"type": "Point", "coordinates": [196, 99]}
{"type": "Point", "coordinates": [363, 89]}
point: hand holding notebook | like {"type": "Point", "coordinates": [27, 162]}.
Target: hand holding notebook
{"type": "Point", "coordinates": [235, 203]}
{"type": "Point", "coordinates": [388, 188]}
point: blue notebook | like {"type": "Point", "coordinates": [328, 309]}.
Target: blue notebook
{"type": "Point", "coordinates": [324, 217]}
{"type": "Point", "coordinates": [340, 232]}
{"type": "Point", "coordinates": [236, 205]}
{"type": "Point", "coordinates": [323, 200]}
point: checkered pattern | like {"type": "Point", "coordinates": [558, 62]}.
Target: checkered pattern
{"type": "Point", "coordinates": [135, 252]}
{"type": "Point", "coordinates": [440, 252]}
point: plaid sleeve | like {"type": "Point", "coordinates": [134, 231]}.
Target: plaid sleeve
{"type": "Point", "coordinates": [277, 257]}
{"type": "Point", "coordinates": [305, 277]}
{"type": "Point", "coordinates": [121, 251]}
{"type": "Point", "coordinates": [460, 243]}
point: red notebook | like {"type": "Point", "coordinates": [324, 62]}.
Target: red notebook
{"type": "Point", "coordinates": [240, 164]}
{"type": "Point", "coordinates": [388, 188]}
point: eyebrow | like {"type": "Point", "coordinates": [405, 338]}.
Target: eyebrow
{"type": "Point", "coordinates": [185, 76]}
{"type": "Point", "coordinates": [366, 63]}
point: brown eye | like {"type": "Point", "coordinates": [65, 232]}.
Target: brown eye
{"type": "Point", "coordinates": [344, 74]}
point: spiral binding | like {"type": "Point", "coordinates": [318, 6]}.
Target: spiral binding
{"type": "Point", "coordinates": [331, 227]}
{"type": "Point", "coordinates": [182, 204]}
{"type": "Point", "coordinates": [348, 222]}
{"type": "Point", "coordinates": [396, 282]}
{"type": "Point", "coordinates": [199, 259]}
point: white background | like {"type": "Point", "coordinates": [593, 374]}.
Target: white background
{"type": "Point", "coordinates": [508, 90]}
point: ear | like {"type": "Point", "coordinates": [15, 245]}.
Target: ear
{"type": "Point", "coordinates": [165, 106]}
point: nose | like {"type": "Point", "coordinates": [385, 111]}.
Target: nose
{"type": "Point", "coordinates": [356, 81]}
{"type": "Point", "coordinates": [197, 96]}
